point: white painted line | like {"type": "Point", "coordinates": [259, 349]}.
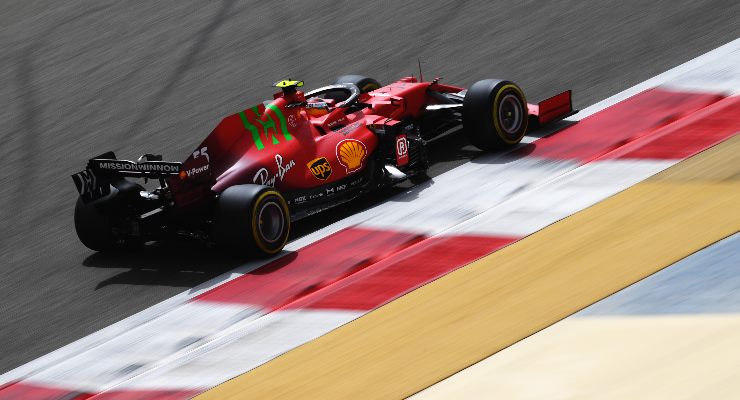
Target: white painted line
{"type": "Point", "coordinates": [529, 211]}
{"type": "Point", "coordinates": [267, 338]}
{"type": "Point", "coordinates": [170, 335]}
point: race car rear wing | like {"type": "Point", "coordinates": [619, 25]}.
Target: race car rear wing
{"type": "Point", "coordinates": [553, 109]}
{"type": "Point", "coordinates": [126, 168]}
{"type": "Point", "coordinates": [94, 182]}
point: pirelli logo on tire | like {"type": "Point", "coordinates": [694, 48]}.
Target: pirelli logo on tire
{"type": "Point", "coordinates": [320, 168]}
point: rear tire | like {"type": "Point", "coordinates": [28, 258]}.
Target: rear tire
{"type": "Point", "coordinates": [495, 114]}
{"type": "Point", "coordinates": [95, 230]}
{"type": "Point", "coordinates": [252, 218]}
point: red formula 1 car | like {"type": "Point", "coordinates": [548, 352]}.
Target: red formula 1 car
{"type": "Point", "coordinates": [294, 156]}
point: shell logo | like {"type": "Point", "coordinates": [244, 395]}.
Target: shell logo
{"type": "Point", "coordinates": [351, 154]}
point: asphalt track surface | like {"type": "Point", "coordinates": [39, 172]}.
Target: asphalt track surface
{"type": "Point", "coordinates": [80, 78]}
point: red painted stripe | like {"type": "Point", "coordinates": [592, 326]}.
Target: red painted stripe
{"type": "Point", "coordinates": [690, 135]}
{"type": "Point", "coordinates": [311, 268]}
{"type": "Point", "coordinates": [402, 272]}
{"type": "Point", "coordinates": [148, 395]}
{"type": "Point", "coordinates": [622, 123]}
{"type": "Point", "coordinates": [26, 391]}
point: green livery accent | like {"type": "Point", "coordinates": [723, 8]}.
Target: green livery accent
{"type": "Point", "coordinates": [255, 133]}
{"type": "Point", "coordinates": [266, 126]}
{"type": "Point", "coordinates": [269, 124]}
{"type": "Point", "coordinates": [283, 122]}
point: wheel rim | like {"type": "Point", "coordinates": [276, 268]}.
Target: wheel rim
{"type": "Point", "coordinates": [510, 115]}
{"type": "Point", "coordinates": [271, 222]}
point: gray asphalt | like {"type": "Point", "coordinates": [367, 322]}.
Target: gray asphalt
{"type": "Point", "coordinates": [80, 78]}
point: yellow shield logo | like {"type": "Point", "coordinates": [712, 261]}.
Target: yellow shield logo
{"type": "Point", "coordinates": [351, 154]}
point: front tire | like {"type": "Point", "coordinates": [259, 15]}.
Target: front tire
{"type": "Point", "coordinates": [252, 218]}
{"type": "Point", "coordinates": [364, 83]}
{"type": "Point", "coordinates": [495, 114]}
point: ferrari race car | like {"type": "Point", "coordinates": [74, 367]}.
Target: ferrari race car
{"type": "Point", "coordinates": [293, 156]}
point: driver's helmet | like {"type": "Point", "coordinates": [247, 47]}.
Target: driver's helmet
{"type": "Point", "coordinates": [317, 108]}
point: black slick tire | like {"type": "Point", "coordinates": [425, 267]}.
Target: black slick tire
{"type": "Point", "coordinates": [364, 83]}
{"type": "Point", "coordinates": [251, 219]}
{"type": "Point", "coordinates": [495, 114]}
{"type": "Point", "coordinates": [94, 229]}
